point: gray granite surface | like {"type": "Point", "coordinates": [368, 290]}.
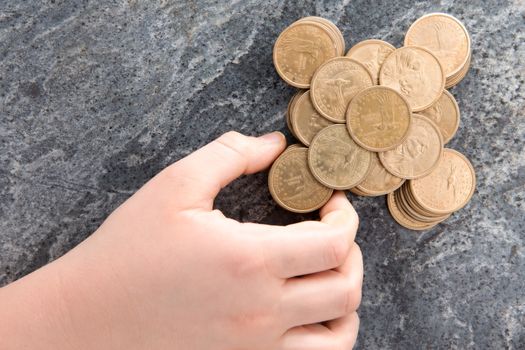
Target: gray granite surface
{"type": "Point", "coordinates": [98, 96]}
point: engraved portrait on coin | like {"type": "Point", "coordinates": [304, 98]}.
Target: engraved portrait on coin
{"type": "Point", "coordinates": [419, 154]}
{"type": "Point", "coordinates": [416, 73]}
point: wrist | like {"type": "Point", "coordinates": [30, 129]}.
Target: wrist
{"type": "Point", "coordinates": [33, 312]}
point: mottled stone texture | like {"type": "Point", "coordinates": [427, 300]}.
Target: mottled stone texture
{"type": "Point", "coordinates": [98, 96]}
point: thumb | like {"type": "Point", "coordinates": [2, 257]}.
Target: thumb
{"type": "Point", "coordinates": [339, 213]}
{"type": "Point", "coordinates": [200, 176]}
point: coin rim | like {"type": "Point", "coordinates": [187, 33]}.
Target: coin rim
{"type": "Point", "coordinates": [458, 117]}
{"type": "Point", "coordinates": [294, 116]}
{"type": "Point", "coordinates": [457, 79]}
{"type": "Point", "coordinates": [370, 41]}
{"type": "Point", "coordinates": [289, 121]}
{"type": "Point", "coordinates": [401, 217]}
{"type": "Point", "coordinates": [372, 193]}
{"type": "Point", "coordinates": [334, 28]}
{"type": "Point", "coordinates": [326, 26]}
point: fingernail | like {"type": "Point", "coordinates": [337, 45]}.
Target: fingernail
{"type": "Point", "coordinates": [275, 137]}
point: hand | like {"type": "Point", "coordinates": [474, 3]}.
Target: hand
{"type": "Point", "coordinates": [166, 271]}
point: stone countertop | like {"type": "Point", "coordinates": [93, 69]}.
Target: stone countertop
{"type": "Point", "coordinates": [98, 96]}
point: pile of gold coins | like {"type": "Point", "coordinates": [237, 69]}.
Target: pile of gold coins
{"type": "Point", "coordinates": [374, 121]}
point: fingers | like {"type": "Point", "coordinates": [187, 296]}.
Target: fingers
{"type": "Point", "coordinates": [346, 328]}
{"type": "Point", "coordinates": [338, 203]}
{"type": "Point", "coordinates": [324, 296]}
{"type": "Point", "coordinates": [310, 246]}
{"type": "Point", "coordinates": [198, 177]}
{"type": "Point", "coordinates": [336, 335]}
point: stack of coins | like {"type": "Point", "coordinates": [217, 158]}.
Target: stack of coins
{"type": "Point", "coordinates": [374, 121]}
{"type": "Point", "coordinates": [448, 39]}
{"type": "Point", "coordinates": [421, 204]}
{"type": "Point", "coordinates": [303, 47]}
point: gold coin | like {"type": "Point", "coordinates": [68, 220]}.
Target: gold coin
{"type": "Point", "coordinates": [300, 50]}
{"type": "Point", "coordinates": [379, 181]}
{"type": "Point", "coordinates": [335, 83]}
{"type": "Point", "coordinates": [445, 114]}
{"type": "Point", "coordinates": [407, 204]}
{"type": "Point", "coordinates": [292, 185]}
{"type": "Point", "coordinates": [445, 36]}
{"type": "Point", "coordinates": [419, 154]}
{"type": "Point", "coordinates": [457, 78]}
{"type": "Point", "coordinates": [336, 160]}
{"type": "Point", "coordinates": [305, 119]}
{"type": "Point", "coordinates": [402, 218]}
{"type": "Point", "coordinates": [417, 207]}
{"type": "Point", "coordinates": [407, 211]}
{"type": "Point", "coordinates": [372, 54]}
{"type": "Point", "coordinates": [448, 187]}
{"type": "Point", "coordinates": [340, 39]}
{"type": "Point", "coordinates": [378, 118]}
{"type": "Point", "coordinates": [328, 29]}
{"type": "Point", "coordinates": [416, 73]}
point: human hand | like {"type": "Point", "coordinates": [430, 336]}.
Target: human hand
{"type": "Point", "coordinates": [166, 271]}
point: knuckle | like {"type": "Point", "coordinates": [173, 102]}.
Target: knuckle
{"type": "Point", "coordinates": [173, 171]}
{"type": "Point", "coordinates": [343, 344]}
{"type": "Point", "coordinates": [356, 249]}
{"type": "Point", "coordinates": [235, 145]}
{"type": "Point", "coordinates": [355, 218]}
{"type": "Point", "coordinates": [231, 138]}
{"type": "Point", "coordinates": [336, 251]}
{"type": "Point", "coordinates": [252, 323]}
{"type": "Point", "coordinates": [247, 263]}
{"type": "Point", "coordinates": [352, 297]}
